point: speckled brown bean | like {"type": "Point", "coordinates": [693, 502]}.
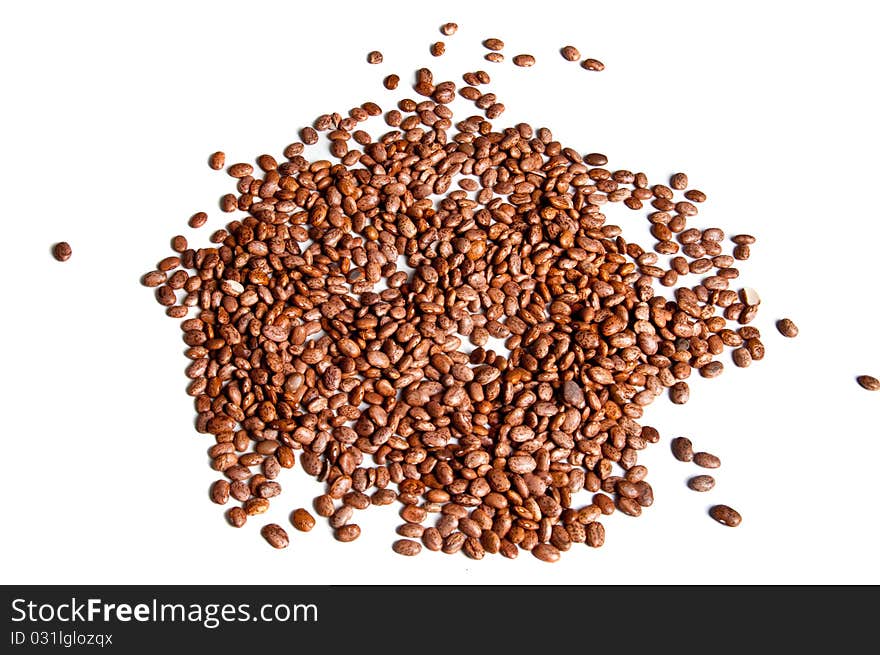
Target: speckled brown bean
{"type": "Point", "coordinates": [491, 542]}
{"type": "Point", "coordinates": [712, 369]}
{"type": "Point", "coordinates": [169, 264]}
{"type": "Point", "coordinates": [448, 29]}
{"type": "Point", "coordinates": [706, 460]}
{"type": "Point", "coordinates": [374, 57]}
{"type": "Point", "coordinates": [341, 516]}
{"type": "Point", "coordinates": [267, 163]}
{"type": "Point", "coordinates": [787, 328]}
{"type": "Point", "coordinates": [275, 535]}
{"type": "Point", "coordinates": [220, 492]}
{"type": "Point", "coordinates": [588, 514]}
{"type": "Point", "coordinates": [756, 348]}
{"type": "Point", "coordinates": [217, 160]}
{"type": "Point", "coordinates": [348, 532]}
{"type": "Point", "coordinates": [701, 483]}
{"type": "Point", "coordinates": [62, 251]}
{"type": "Point", "coordinates": [255, 506]}
{"type": "Point", "coordinates": [868, 382]}
{"type": "Point", "coordinates": [680, 392]}
{"type": "Point", "coordinates": [154, 278]}
{"type": "Point", "coordinates": [646, 493]}
{"type": "Point", "coordinates": [432, 540]}
{"type": "Point", "coordinates": [593, 65]}
{"type": "Point", "coordinates": [446, 525]}
{"type": "Point", "coordinates": [165, 296]}
{"type": "Point", "coordinates": [546, 553]}
{"type": "Point", "coordinates": [629, 506]}
{"type": "Point", "coordinates": [391, 82]}
{"type": "Point", "coordinates": [383, 497]}
{"type": "Point", "coordinates": [595, 534]}
{"type": "Point", "coordinates": [570, 53]}
{"type": "Point", "coordinates": [741, 252]}
{"type": "Point", "coordinates": [650, 434]}
{"type": "Point", "coordinates": [228, 203]}
{"type": "Point", "coordinates": [679, 181]}
{"type": "Point", "coordinates": [413, 514]}
{"type": "Point", "coordinates": [179, 244]}
{"type": "Point", "coordinates": [495, 110]}
{"type": "Point", "coordinates": [494, 44]}
{"type": "Point", "coordinates": [411, 530]}
{"type": "Point", "coordinates": [406, 547]}
{"type": "Point", "coordinates": [725, 515]}
{"type": "Point", "coordinates": [294, 149]}
{"type": "Point", "coordinates": [742, 357]}
{"type": "Point", "coordinates": [240, 490]}
{"type": "Point", "coordinates": [524, 61]}
{"type": "Point", "coordinates": [356, 500]}
{"type": "Point", "coordinates": [308, 135]}
{"type": "Point", "coordinates": [324, 505]}
{"type": "Point", "coordinates": [604, 503]}
{"type": "Point", "coordinates": [454, 542]}
{"type": "Point", "coordinates": [508, 549]}
{"type": "Point", "coordinates": [198, 219]}
{"type": "Point", "coordinates": [576, 533]}
{"type": "Point", "coordinates": [302, 520]}
{"type": "Point", "coordinates": [236, 516]}
{"type": "Point", "coordinates": [682, 449]}
{"type": "Point", "coordinates": [240, 170]}
{"type": "Point", "coordinates": [560, 539]}
{"type": "Point", "coordinates": [438, 49]}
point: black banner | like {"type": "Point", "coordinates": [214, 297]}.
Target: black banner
{"type": "Point", "coordinates": [222, 619]}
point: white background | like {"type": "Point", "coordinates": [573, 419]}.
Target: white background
{"type": "Point", "coordinates": [110, 110]}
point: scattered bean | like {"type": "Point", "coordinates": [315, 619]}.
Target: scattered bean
{"type": "Point", "coordinates": [725, 515]}
{"type": "Point", "coordinates": [407, 547]}
{"type": "Point", "coordinates": [701, 483]}
{"type": "Point", "coordinates": [683, 449]}
{"type": "Point", "coordinates": [570, 53]}
{"type": "Point", "coordinates": [706, 460]}
{"type": "Point", "coordinates": [275, 535]}
{"type": "Point", "coordinates": [217, 160]}
{"type": "Point", "coordinates": [868, 382]}
{"type": "Point", "coordinates": [787, 328]}
{"type": "Point", "coordinates": [62, 251]}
